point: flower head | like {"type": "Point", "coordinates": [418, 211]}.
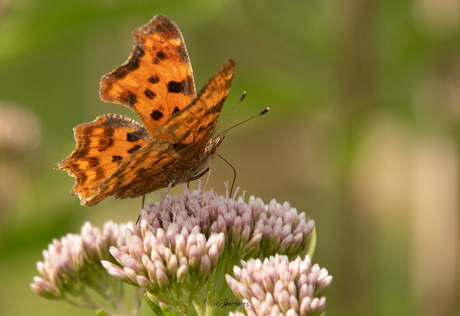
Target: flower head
{"type": "Point", "coordinates": [72, 265]}
{"type": "Point", "coordinates": [182, 241]}
{"type": "Point", "coordinates": [161, 261]}
{"type": "Point", "coordinates": [60, 269]}
{"type": "Point", "coordinates": [277, 286]}
{"type": "Point", "coordinates": [251, 229]}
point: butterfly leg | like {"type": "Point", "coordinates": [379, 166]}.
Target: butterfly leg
{"type": "Point", "coordinates": [171, 184]}
{"type": "Point", "coordinates": [143, 203]}
{"type": "Point", "coordinates": [205, 185]}
{"type": "Point", "coordinates": [163, 197]}
{"type": "Point", "coordinates": [207, 178]}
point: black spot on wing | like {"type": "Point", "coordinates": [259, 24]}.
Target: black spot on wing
{"type": "Point", "coordinates": [79, 175]}
{"type": "Point", "coordinates": [161, 56]}
{"type": "Point", "coordinates": [176, 87]}
{"type": "Point", "coordinates": [130, 137]}
{"type": "Point", "coordinates": [150, 94]}
{"type": "Point", "coordinates": [176, 109]}
{"type": "Point", "coordinates": [93, 162]}
{"type": "Point", "coordinates": [106, 141]}
{"type": "Point", "coordinates": [75, 167]}
{"type": "Point", "coordinates": [80, 154]}
{"type": "Point", "coordinates": [135, 148]}
{"type": "Point", "coordinates": [154, 79]}
{"type": "Point", "coordinates": [116, 158]}
{"type": "Point", "coordinates": [99, 174]}
{"type": "Point", "coordinates": [156, 115]}
{"type": "Point", "coordinates": [128, 98]}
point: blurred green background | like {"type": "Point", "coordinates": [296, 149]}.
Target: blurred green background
{"type": "Point", "coordinates": [362, 135]}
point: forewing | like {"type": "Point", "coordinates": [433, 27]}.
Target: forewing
{"type": "Point", "coordinates": [196, 123]}
{"type": "Point", "coordinates": [101, 147]}
{"type": "Point", "coordinates": [157, 80]}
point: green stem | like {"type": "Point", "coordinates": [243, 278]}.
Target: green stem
{"type": "Point", "coordinates": [209, 308]}
{"type": "Point", "coordinates": [90, 305]}
{"type": "Point", "coordinates": [138, 294]}
{"type": "Point", "coordinates": [198, 307]}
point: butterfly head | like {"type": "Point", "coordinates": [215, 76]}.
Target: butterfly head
{"type": "Point", "coordinates": [213, 145]}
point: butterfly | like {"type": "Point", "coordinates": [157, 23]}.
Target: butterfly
{"type": "Point", "coordinates": [115, 155]}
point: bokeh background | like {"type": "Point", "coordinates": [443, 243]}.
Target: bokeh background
{"type": "Point", "coordinates": [363, 132]}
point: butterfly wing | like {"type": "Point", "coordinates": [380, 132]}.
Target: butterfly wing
{"type": "Point", "coordinates": [196, 123]}
{"type": "Point", "coordinates": [149, 169]}
{"type": "Point", "coordinates": [115, 156]}
{"type": "Point", "coordinates": [157, 80]}
{"type": "Point", "coordinates": [158, 163]}
{"type": "Point", "coordinates": [101, 147]}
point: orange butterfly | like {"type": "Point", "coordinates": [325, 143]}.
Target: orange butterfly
{"type": "Point", "coordinates": [116, 156]}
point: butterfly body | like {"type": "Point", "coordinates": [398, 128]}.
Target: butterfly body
{"type": "Point", "coordinates": [115, 155]}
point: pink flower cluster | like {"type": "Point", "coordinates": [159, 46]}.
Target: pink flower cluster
{"type": "Point", "coordinates": [279, 287]}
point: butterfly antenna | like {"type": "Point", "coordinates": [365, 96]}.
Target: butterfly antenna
{"type": "Point", "coordinates": [234, 107]}
{"type": "Point", "coordinates": [234, 174]}
{"type": "Point", "coordinates": [261, 113]}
